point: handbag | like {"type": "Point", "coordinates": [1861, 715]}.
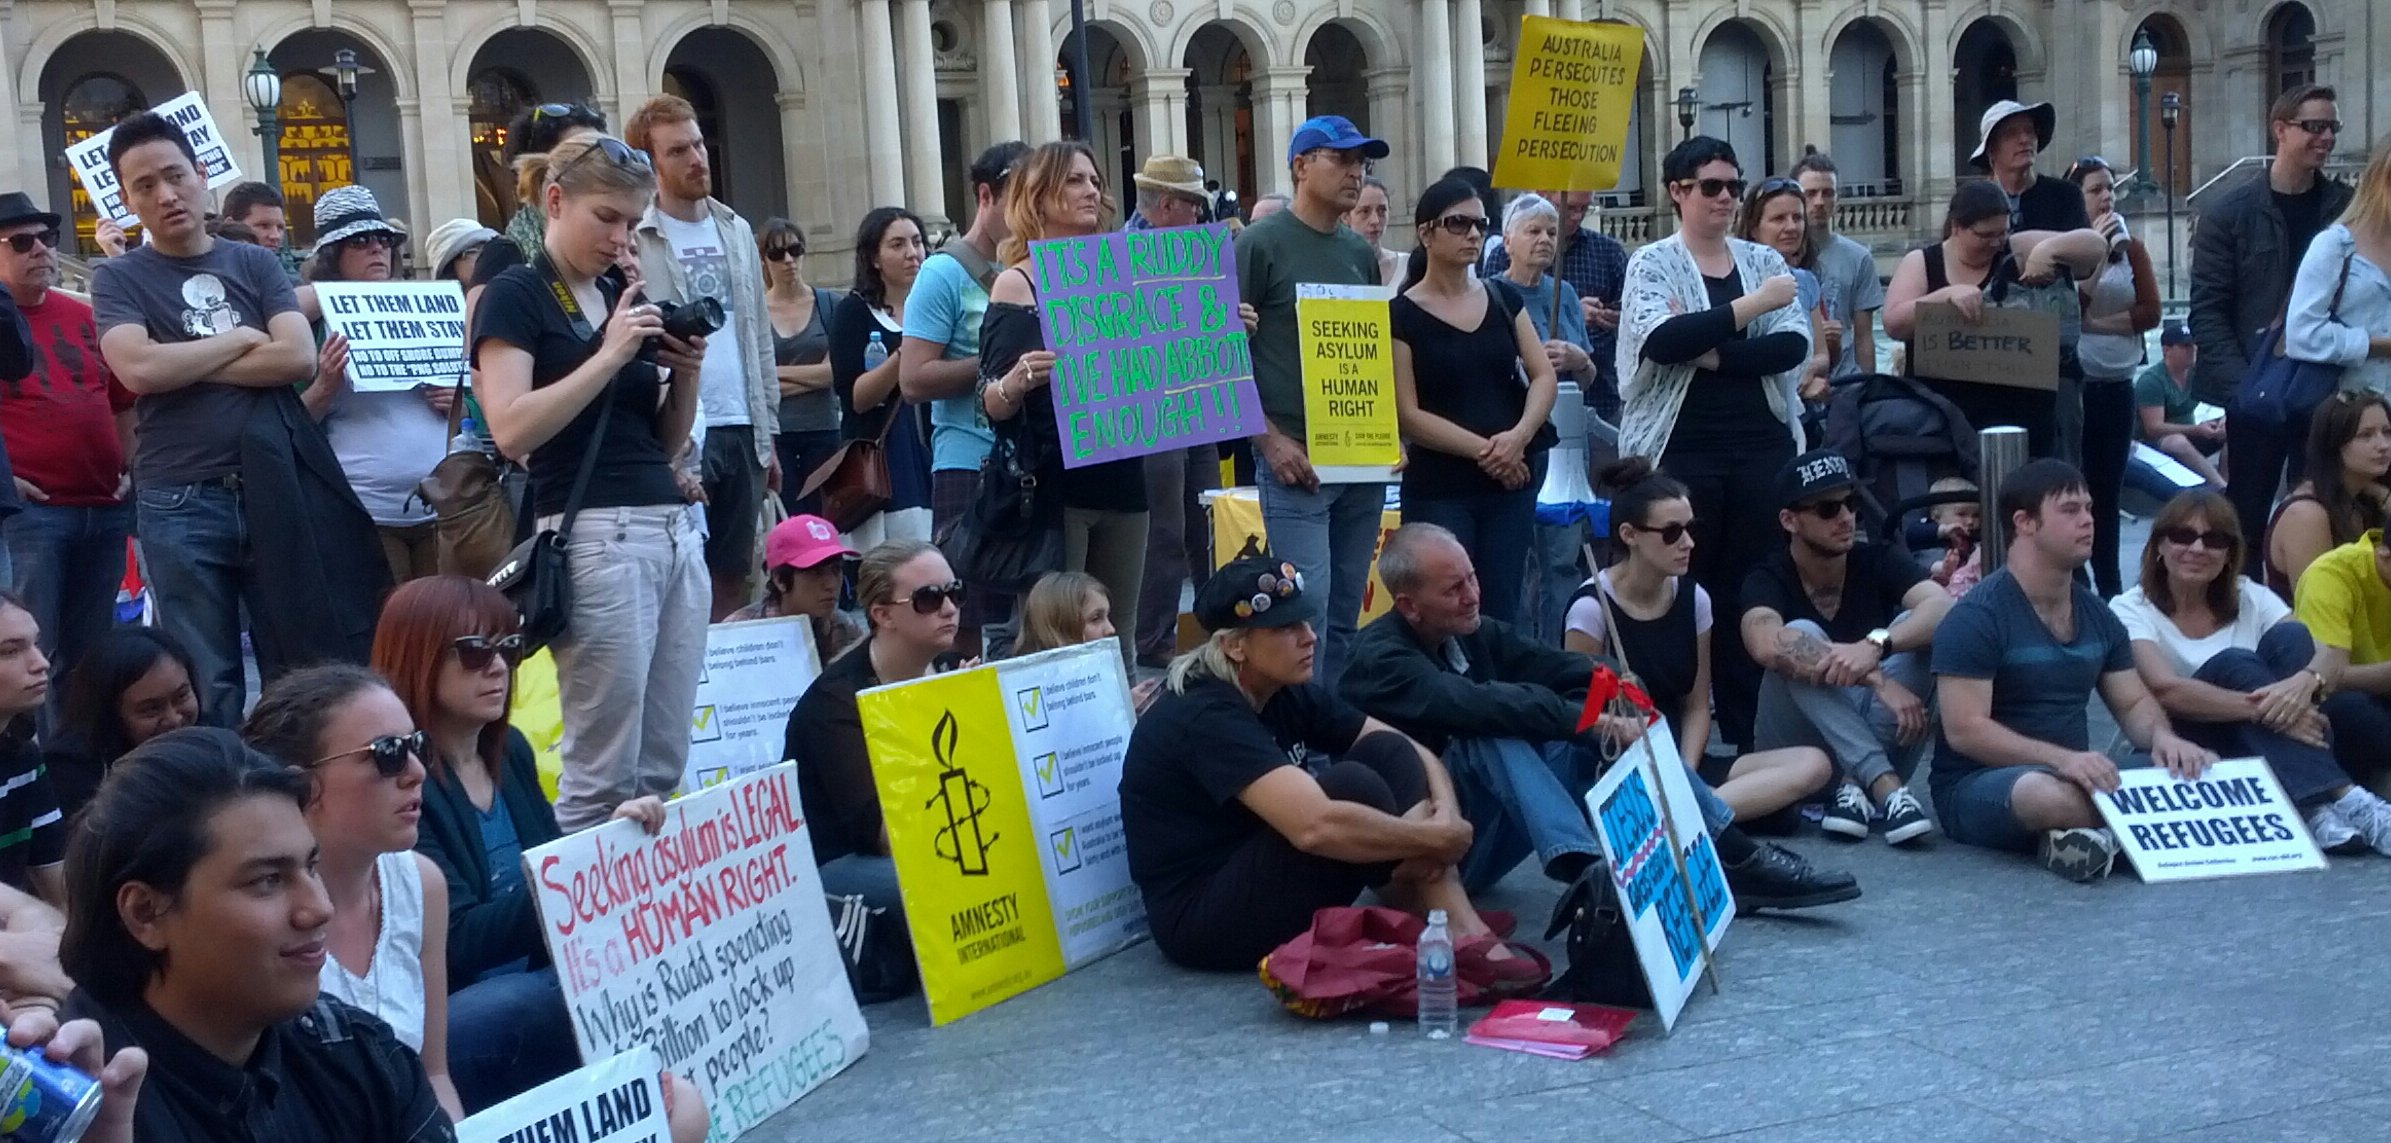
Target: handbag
{"type": "Point", "coordinates": [475, 524]}
{"type": "Point", "coordinates": [1011, 533]}
{"type": "Point", "coordinates": [2280, 392]}
{"type": "Point", "coordinates": [535, 576]}
{"type": "Point", "coordinates": [1600, 951]}
{"type": "Point", "coordinates": [854, 484]}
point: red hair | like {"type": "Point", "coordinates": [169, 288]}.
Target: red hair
{"type": "Point", "coordinates": [411, 643]}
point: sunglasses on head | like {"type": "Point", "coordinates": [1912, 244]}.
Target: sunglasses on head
{"type": "Point", "coordinates": [1713, 188]}
{"type": "Point", "coordinates": [1464, 225]}
{"type": "Point", "coordinates": [2211, 539]}
{"type": "Point", "coordinates": [927, 600]}
{"type": "Point", "coordinates": [2087, 165]}
{"type": "Point", "coordinates": [474, 652]}
{"type": "Point", "coordinates": [552, 111]}
{"type": "Point", "coordinates": [1668, 533]}
{"type": "Point", "coordinates": [23, 243]}
{"type": "Point", "coordinates": [389, 752]}
{"type": "Point", "coordinates": [619, 153]}
{"type": "Point", "coordinates": [1777, 185]}
{"type": "Point", "coordinates": [2318, 126]}
{"type": "Point", "coordinates": [1831, 509]}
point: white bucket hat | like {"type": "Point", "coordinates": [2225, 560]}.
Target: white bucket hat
{"type": "Point", "coordinates": [2045, 121]}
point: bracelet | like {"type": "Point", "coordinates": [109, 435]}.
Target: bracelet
{"type": "Point", "coordinates": [2318, 695]}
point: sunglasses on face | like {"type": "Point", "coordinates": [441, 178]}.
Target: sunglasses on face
{"type": "Point", "coordinates": [1669, 533]}
{"type": "Point", "coordinates": [378, 240]}
{"type": "Point", "coordinates": [1464, 225]}
{"type": "Point", "coordinates": [474, 652]}
{"type": "Point", "coordinates": [1830, 509]}
{"type": "Point", "coordinates": [389, 752]}
{"type": "Point", "coordinates": [783, 253]}
{"type": "Point", "coordinates": [927, 600]}
{"type": "Point", "coordinates": [2211, 539]}
{"type": "Point", "coordinates": [1713, 188]}
{"type": "Point", "coordinates": [2318, 126]}
{"type": "Point", "coordinates": [23, 243]}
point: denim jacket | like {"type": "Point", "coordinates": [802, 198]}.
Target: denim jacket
{"type": "Point", "coordinates": [2313, 330]}
{"type": "Point", "coordinates": [666, 281]}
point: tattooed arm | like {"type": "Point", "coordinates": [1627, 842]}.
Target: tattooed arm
{"type": "Point", "coordinates": [1797, 654]}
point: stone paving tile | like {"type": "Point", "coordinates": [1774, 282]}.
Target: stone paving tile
{"type": "Point", "coordinates": [1568, 1115]}
{"type": "Point", "coordinates": [2338, 1122]}
{"type": "Point", "coordinates": [1820, 1079]}
{"type": "Point", "coordinates": [2158, 1095]}
{"type": "Point", "coordinates": [1941, 1120]}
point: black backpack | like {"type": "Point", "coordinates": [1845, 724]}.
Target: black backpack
{"type": "Point", "coordinates": [876, 948]}
{"type": "Point", "coordinates": [1601, 954]}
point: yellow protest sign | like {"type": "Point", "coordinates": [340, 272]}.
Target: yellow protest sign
{"type": "Point", "coordinates": [1347, 341]}
{"type": "Point", "coordinates": [1572, 86]}
{"type": "Point", "coordinates": [1237, 516]}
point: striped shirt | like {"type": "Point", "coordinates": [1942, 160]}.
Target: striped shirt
{"type": "Point", "coordinates": [32, 830]}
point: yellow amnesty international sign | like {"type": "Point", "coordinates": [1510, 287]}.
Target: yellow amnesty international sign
{"type": "Point", "coordinates": [1347, 341]}
{"type": "Point", "coordinates": [1572, 86]}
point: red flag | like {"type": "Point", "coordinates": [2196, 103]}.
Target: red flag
{"type": "Point", "coordinates": [1605, 686]}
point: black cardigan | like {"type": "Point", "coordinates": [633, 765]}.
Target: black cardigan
{"type": "Point", "coordinates": [485, 931]}
{"type": "Point", "coordinates": [1515, 687]}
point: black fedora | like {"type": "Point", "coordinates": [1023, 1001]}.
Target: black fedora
{"type": "Point", "coordinates": [15, 207]}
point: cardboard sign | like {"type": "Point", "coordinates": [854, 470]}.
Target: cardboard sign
{"type": "Point", "coordinates": [89, 158]}
{"type": "Point", "coordinates": [1237, 517]}
{"type": "Point", "coordinates": [2230, 821]}
{"type": "Point", "coordinates": [1150, 354]}
{"type": "Point", "coordinates": [617, 1098]}
{"type": "Point", "coordinates": [709, 942]}
{"type": "Point", "coordinates": [401, 334]}
{"type": "Point", "coordinates": [1000, 786]}
{"type": "Point", "coordinates": [1668, 874]}
{"type": "Point", "coordinates": [1347, 341]}
{"type": "Point", "coordinates": [2009, 347]}
{"type": "Point", "coordinates": [1573, 85]}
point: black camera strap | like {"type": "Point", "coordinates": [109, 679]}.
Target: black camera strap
{"type": "Point", "coordinates": [582, 331]}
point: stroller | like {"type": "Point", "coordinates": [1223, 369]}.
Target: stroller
{"type": "Point", "coordinates": [1901, 437]}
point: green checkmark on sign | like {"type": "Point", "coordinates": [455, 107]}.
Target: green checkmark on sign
{"type": "Point", "coordinates": [1046, 767]}
{"type": "Point", "coordinates": [704, 718]}
{"type": "Point", "coordinates": [1031, 700]}
{"type": "Point", "coordinates": [1062, 844]}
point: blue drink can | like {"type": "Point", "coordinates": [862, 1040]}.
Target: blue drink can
{"type": "Point", "coordinates": [42, 1100]}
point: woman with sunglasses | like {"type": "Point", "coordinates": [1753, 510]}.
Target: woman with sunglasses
{"type": "Point", "coordinates": [2348, 324]}
{"type": "Point", "coordinates": [809, 411]}
{"type": "Point", "coordinates": [1777, 216]}
{"type": "Point", "coordinates": [2345, 492]}
{"type": "Point", "coordinates": [2238, 675]}
{"type": "Point", "coordinates": [913, 603]}
{"type": "Point", "coordinates": [575, 366]}
{"type": "Point", "coordinates": [1480, 437]}
{"type": "Point", "coordinates": [131, 686]}
{"type": "Point", "coordinates": [1711, 345]}
{"type": "Point", "coordinates": [2121, 304]}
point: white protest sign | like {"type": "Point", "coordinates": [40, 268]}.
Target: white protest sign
{"type": "Point", "coordinates": [2230, 821]}
{"type": "Point", "coordinates": [753, 675]}
{"type": "Point", "coordinates": [89, 158]}
{"type": "Point", "coordinates": [618, 1098]}
{"type": "Point", "coordinates": [401, 334]}
{"type": "Point", "coordinates": [1071, 721]}
{"type": "Point", "coordinates": [1663, 865]}
{"type": "Point", "coordinates": [709, 942]}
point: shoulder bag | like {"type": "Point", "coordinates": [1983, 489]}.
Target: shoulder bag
{"type": "Point", "coordinates": [854, 483]}
{"type": "Point", "coordinates": [535, 575]}
{"type": "Point", "coordinates": [475, 523]}
{"type": "Point", "coordinates": [2282, 392]}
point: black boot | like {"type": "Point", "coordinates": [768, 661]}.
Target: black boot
{"type": "Point", "coordinates": [1774, 877]}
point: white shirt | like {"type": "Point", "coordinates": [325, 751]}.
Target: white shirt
{"type": "Point", "coordinates": [706, 267]}
{"type": "Point", "coordinates": [2144, 623]}
{"type": "Point", "coordinates": [392, 987]}
{"type": "Point", "coordinates": [387, 443]}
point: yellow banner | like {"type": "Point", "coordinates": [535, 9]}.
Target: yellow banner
{"type": "Point", "coordinates": [1237, 516]}
{"type": "Point", "coordinates": [959, 827]}
{"type": "Point", "coordinates": [1347, 341]}
{"type": "Point", "coordinates": [1572, 87]}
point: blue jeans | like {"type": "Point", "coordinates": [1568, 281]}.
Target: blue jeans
{"type": "Point", "coordinates": [508, 1034]}
{"type": "Point", "coordinates": [197, 547]}
{"type": "Point", "coordinates": [71, 560]}
{"type": "Point", "coordinates": [1530, 797]}
{"type": "Point", "coordinates": [1331, 536]}
{"type": "Point", "coordinates": [2309, 774]}
{"type": "Point", "coordinates": [1497, 529]}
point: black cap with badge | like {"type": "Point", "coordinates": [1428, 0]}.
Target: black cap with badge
{"type": "Point", "coordinates": [1255, 590]}
{"type": "Point", "coordinates": [1813, 473]}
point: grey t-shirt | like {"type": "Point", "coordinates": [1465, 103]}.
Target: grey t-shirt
{"type": "Point", "coordinates": [1847, 281]}
{"type": "Point", "coordinates": [192, 433]}
{"type": "Point", "coordinates": [1273, 257]}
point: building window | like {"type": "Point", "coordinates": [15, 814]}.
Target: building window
{"type": "Point", "coordinates": [2291, 49]}
{"type": "Point", "coordinates": [314, 150]}
{"type": "Point", "coordinates": [91, 106]}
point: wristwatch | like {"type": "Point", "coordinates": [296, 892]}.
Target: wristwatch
{"type": "Point", "coordinates": [1882, 640]}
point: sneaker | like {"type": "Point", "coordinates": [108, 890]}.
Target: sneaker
{"type": "Point", "coordinates": [1846, 813]}
{"type": "Point", "coordinates": [2080, 855]}
{"type": "Point", "coordinates": [2332, 831]}
{"type": "Point", "coordinates": [2367, 815]}
{"type": "Point", "coordinates": [1775, 877]}
{"type": "Point", "coordinates": [1905, 819]}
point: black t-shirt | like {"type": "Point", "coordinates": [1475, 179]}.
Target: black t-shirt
{"type": "Point", "coordinates": [1010, 330]}
{"type": "Point", "coordinates": [1875, 577]}
{"type": "Point", "coordinates": [1194, 753]}
{"type": "Point", "coordinates": [498, 255]}
{"type": "Point", "coordinates": [2303, 217]}
{"type": "Point", "coordinates": [634, 468]}
{"type": "Point", "coordinates": [2049, 204]}
{"type": "Point", "coordinates": [1725, 410]}
{"type": "Point", "coordinates": [1469, 377]}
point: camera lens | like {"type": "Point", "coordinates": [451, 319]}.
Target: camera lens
{"type": "Point", "coordinates": [695, 318]}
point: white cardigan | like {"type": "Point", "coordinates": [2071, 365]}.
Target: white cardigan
{"type": "Point", "coordinates": [1653, 394]}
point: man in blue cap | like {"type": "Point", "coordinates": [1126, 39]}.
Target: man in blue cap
{"type": "Point", "coordinates": [1328, 531]}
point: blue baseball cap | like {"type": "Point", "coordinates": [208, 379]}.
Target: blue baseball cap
{"type": "Point", "coordinates": [1336, 133]}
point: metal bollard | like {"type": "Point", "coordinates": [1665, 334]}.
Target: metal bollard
{"type": "Point", "coordinates": [2001, 450]}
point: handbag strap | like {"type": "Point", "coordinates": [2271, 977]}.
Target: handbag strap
{"type": "Point", "coordinates": [589, 454]}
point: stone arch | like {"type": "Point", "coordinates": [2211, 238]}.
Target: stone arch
{"type": "Point", "coordinates": [324, 144]}
{"type": "Point", "coordinates": [1898, 30]}
{"type": "Point", "coordinates": [788, 72]}
{"type": "Point", "coordinates": [730, 76]}
{"type": "Point", "coordinates": [396, 62]}
{"type": "Point", "coordinates": [1869, 122]}
{"type": "Point", "coordinates": [585, 50]}
{"type": "Point", "coordinates": [1765, 24]}
{"type": "Point", "coordinates": [1742, 97]}
{"type": "Point", "coordinates": [1244, 26]}
{"type": "Point", "coordinates": [1381, 48]}
{"type": "Point", "coordinates": [1129, 38]}
{"type": "Point", "coordinates": [45, 46]}
{"type": "Point", "coordinates": [2197, 38]}
{"type": "Point", "coordinates": [2014, 27]}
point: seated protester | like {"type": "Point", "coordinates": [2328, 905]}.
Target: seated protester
{"type": "Point", "coordinates": [2237, 674]}
{"type": "Point", "coordinates": [1664, 640]}
{"type": "Point", "coordinates": [804, 568]}
{"type": "Point", "coordinates": [913, 603]}
{"type": "Point", "coordinates": [1841, 627]}
{"type": "Point", "coordinates": [1232, 841]}
{"type": "Point", "coordinates": [197, 930]}
{"type": "Point", "coordinates": [134, 684]}
{"type": "Point", "coordinates": [1065, 609]}
{"type": "Point", "coordinates": [2349, 453]}
{"type": "Point", "coordinates": [32, 831]}
{"type": "Point", "coordinates": [2164, 402]}
{"type": "Point", "coordinates": [2016, 662]}
{"type": "Point", "coordinates": [2345, 599]}
{"type": "Point", "coordinates": [1502, 710]}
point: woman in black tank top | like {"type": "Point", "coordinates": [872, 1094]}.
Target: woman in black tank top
{"type": "Point", "coordinates": [2351, 436]}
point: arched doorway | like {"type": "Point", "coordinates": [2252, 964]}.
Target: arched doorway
{"type": "Point", "coordinates": [1335, 85]}
{"type": "Point", "coordinates": [90, 82]}
{"type": "Point", "coordinates": [517, 69]}
{"type": "Point", "coordinates": [1737, 94]}
{"type": "Point", "coordinates": [2174, 75]}
{"type": "Point", "coordinates": [1110, 117]}
{"type": "Point", "coordinates": [324, 144]}
{"type": "Point", "coordinates": [735, 89]}
{"type": "Point", "coordinates": [1985, 72]}
{"type": "Point", "coordinates": [1220, 108]}
{"type": "Point", "coordinates": [2290, 49]}
{"type": "Point", "coordinates": [1864, 112]}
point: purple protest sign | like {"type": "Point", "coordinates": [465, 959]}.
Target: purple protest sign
{"type": "Point", "coordinates": [1150, 354]}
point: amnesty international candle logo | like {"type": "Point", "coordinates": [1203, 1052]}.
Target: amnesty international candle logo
{"type": "Point", "coordinates": [962, 801]}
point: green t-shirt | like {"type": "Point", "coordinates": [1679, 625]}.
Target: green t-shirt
{"type": "Point", "coordinates": [2154, 389]}
{"type": "Point", "coordinates": [1273, 255]}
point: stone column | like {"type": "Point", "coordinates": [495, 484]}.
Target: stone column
{"type": "Point", "coordinates": [1105, 105]}
{"type": "Point", "coordinates": [28, 172]}
{"type": "Point", "coordinates": [442, 159]}
{"type": "Point", "coordinates": [883, 161]}
{"type": "Point", "coordinates": [1217, 148]}
{"type": "Point", "coordinates": [1574, 10]}
{"type": "Point", "coordinates": [1937, 165]}
{"type": "Point", "coordinates": [925, 191]}
{"type": "Point", "coordinates": [1436, 86]}
{"type": "Point", "coordinates": [222, 62]}
{"type": "Point", "coordinates": [1469, 81]}
{"type": "Point", "coordinates": [1390, 119]}
{"type": "Point", "coordinates": [1000, 83]}
{"type": "Point", "coordinates": [1160, 97]}
{"type": "Point", "coordinates": [1041, 113]}
{"type": "Point", "coordinates": [632, 84]}
{"type": "Point", "coordinates": [1279, 95]}
{"type": "Point", "coordinates": [1539, 7]}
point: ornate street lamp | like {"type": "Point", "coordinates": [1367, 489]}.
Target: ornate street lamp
{"type": "Point", "coordinates": [263, 86]}
{"type": "Point", "coordinates": [344, 72]}
{"type": "Point", "coordinates": [2170, 109]}
{"type": "Point", "coordinates": [2142, 59]}
{"type": "Point", "coordinates": [1688, 101]}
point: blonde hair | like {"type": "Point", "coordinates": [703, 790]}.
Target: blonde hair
{"type": "Point", "coordinates": [580, 174]}
{"type": "Point", "coordinates": [1209, 660]}
{"type": "Point", "coordinates": [876, 576]}
{"type": "Point", "coordinates": [2369, 211]}
{"type": "Point", "coordinates": [1055, 613]}
{"type": "Point", "coordinates": [1036, 183]}
{"type": "Point", "coordinates": [1941, 512]}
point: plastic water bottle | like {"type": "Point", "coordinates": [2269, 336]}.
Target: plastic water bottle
{"type": "Point", "coordinates": [468, 438]}
{"type": "Point", "coordinates": [1437, 989]}
{"type": "Point", "coordinates": [875, 354]}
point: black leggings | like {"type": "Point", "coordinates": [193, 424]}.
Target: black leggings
{"type": "Point", "coordinates": [2108, 440]}
{"type": "Point", "coordinates": [1266, 890]}
{"type": "Point", "coordinates": [1734, 495]}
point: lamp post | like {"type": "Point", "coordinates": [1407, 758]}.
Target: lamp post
{"type": "Point", "coordinates": [2142, 59]}
{"type": "Point", "coordinates": [2170, 109]}
{"type": "Point", "coordinates": [263, 86]}
{"type": "Point", "coordinates": [344, 72]}
{"type": "Point", "coordinates": [1688, 100]}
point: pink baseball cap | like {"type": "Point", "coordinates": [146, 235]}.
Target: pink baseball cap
{"type": "Point", "coordinates": [802, 542]}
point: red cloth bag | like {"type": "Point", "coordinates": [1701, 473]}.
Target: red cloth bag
{"type": "Point", "coordinates": [1367, 956]}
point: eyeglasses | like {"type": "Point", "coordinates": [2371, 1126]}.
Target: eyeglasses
{"type": "Point", "coordinates": [389, 752]}
{"type": "Point", "coordinates": [927, 600]}
{"type": "Point", "coordinates": [2318, 126]}
{"type": "Point", "coordinates": [23, 243]}
{"type": "Point", "coordinates": [474, 652]}
{"type": "Point", "coordinates": [1713, 188]}
{"type": "Point", "coordinates": [1831, 509]}
{"type": "Point", "coordinates": [2211, 539]}
{"type": "Point", "coordinates": [783, 253]}
{"type": "Point", "coordinates": [1348, 159]}
{"type": "Point", "coordinates": [1464, 225]}
{"type": "Point", "coordinates": [1668, 533]}
{"type": "Point", "coordinates": [1992, 238]}
{"type": "Point", "coordinates": [619, 153]}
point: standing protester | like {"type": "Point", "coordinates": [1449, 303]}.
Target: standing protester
{"type": "Point", "coordinates": [2121, 304]}
{"type": "Point", "coordinates": [940, 359]}
{"type": "Point", "coordinates": [1480, 440]}
{"type": "Point", "coordinates": [1595, 266]}
{"type": "Point", "coordinates": [693, 247]}
{"type": "Point", "coordinates": [259, 208]}
{"type": "Point", "coordinates": [1775, 216]}
{"type": "Point", "coordinates": [872, 404]}
{"type": "Point", "coordinates": [1058, 194]}
{"type": "Point", "coordinates": [2246, 250]}
{"type": "Point", "coordinates": [387, 440]}
{"type": "Point", "coordinates": [1530, 237]}
{"type": "Point", "coordinates": [2164, 403]}
{"type": "Point", "coordinates": [1709, 337]}
{"type": "Point", "coordinates": [2014, 134]}
{"type": "Point", "coordinates": [800, 313]}
{"type": "Point", "coordinates": [570, 396]}
{"type": "Point", "coordinates": [1847, 279]}
{"type": "Point", "coordinates": [68, 425]}
{"type": "Point", "coordinates": [1329, 532]}
{"type": "Point", "coordinates": [241, 499]}
{"type": "Point", "coordinates": [2348, 326]}
{"type": "Point", "coordinates": [1170, 192]}
{"type": "Point", "coordinates": [1368, 218]}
